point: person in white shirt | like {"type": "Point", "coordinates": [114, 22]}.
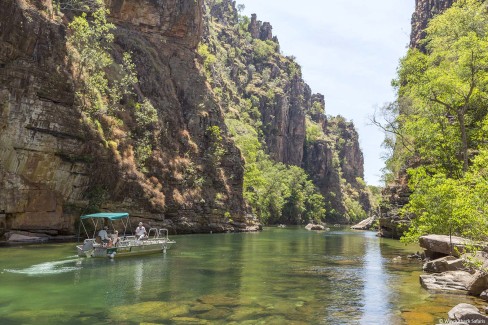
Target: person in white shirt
{"type": "Point", "coordinates": [140, 231]}
{"type": "Point", "coordinates": [104, 235]}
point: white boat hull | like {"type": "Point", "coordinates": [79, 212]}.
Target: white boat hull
{"type": "Point", "coordinates": [126, 248]}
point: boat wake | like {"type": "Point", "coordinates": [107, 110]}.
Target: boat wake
{"type": "Point", "coordinates": [47, 268]}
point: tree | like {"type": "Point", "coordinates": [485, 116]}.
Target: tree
{"type": "Point", "coordinates": [447, 83]}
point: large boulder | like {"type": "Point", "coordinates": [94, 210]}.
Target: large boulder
{"type": "Point", "coordinates": [444, 264]}
{"type": "Point", "coordinates": [452, 281]}
{"type": "Point", "coordinates": [478, 283]}
{"type": "Point", "coordinates": [479, 280]}
{"type": "Point", "coordinates": [467, 313]}
{"type": "Point", "coordinates": [442, 245]}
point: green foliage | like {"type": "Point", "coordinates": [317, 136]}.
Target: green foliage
{"type": "Point", "coordinates": [208, 58]}
{"type": "Point", "coordinates": [90, 38]}
{"type": "Point", "coordinates": [316, 108]}
{"type": "Point", "coordinates": [313, 131]}
{"type": "Point", "coordinates": [440, 124]}
{"type": "Point", "coordinates": [263, 49]}
{"type": "Point", "coordinates": [277, 193]}
{"type": "Point", "coordinates": [448, 86]}
{"type": "Point", "coordinates": [354, 210]}
{"type": "Point", "coordinates": [145, 114]}
{"type": "Point", "coordinates": [445, 205]}
{"type": "Point", "coordinates": [90, 41]}
{"type": "Point", "coordinates": [217, 149]}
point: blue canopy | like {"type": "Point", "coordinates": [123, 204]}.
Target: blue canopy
{"type": "Point", "coordinates": [107, 215]}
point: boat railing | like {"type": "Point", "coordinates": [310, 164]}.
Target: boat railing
{"type": "Point", "coordinates": [153, 232]}
{"type": "Point", "coordinates": [163, 233]}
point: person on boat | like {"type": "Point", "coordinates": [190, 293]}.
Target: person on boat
{"type": "Point", "coordinates": [104, 235]}
{"type": "Point", "coordinates": [115, 238]}
{"type": "Point", "coordinates": [140, 231]}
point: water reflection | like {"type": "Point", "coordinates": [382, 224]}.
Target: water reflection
{"type": "Point", "coordinates": [278, 276]}
{"type": "Point", "coordinates": [375, 293]}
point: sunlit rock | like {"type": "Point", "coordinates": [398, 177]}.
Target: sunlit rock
{"type": "Point", "coordinates": [443, 264]}
{"type": "Point", "coordinates": [468, 313]}
{"type": "Point", "coordinates": [452, 281]}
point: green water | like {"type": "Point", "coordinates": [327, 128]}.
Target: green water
{"type": "Point", "coordinates": [278, 276]}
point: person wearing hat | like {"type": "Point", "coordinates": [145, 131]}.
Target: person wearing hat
{"type": "Point", "coordinates": [140, 231]}
{"type": "Point", "coordinates": [104, 235]}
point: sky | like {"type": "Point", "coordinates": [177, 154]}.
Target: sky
{"type": "Point", "coordinates": [349, 51]}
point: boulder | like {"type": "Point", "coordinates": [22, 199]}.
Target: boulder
{"type": "Point", "coordinates": [443, 264]}
{"type": "Point", "coordinates": [312, 226]}
{"type": "Point", "coordinates": [478, 283]}
{"type": "Point", "coordinates": [479, 280]}
{"type": "Point", "coordinates": [442, 245]}
{"type": "Point", "coordinates": [467, 313]}
{"type": "Point", "coordinates": [365, 224]}
{"type": "Point", "coordinates": [484, 295]}
{"type": "Point", "coordinates": [452, 281]}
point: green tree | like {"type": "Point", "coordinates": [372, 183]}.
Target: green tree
{"type": "Point", "coordinates": [447, 83]}
{"type": "Point", "coordinates": [445, 124]}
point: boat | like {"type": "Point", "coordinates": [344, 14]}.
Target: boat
{"type": "Point", "coordinates": [125, 244]}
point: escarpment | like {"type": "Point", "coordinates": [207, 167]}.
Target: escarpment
{"type": "Point", "coordinates": [61, 155]}
{"type": "Point", "coordinates": [424, 11]}
{"type": "Point", "coordinates": [273, 83]}
{"type": "Point", "coordinates": [56, 163]}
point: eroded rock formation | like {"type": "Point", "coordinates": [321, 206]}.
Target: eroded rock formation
{"type": "Point", "coordinates": [424, 11]}
{"type": "Point", "coordinates": [53, 163]}
{"type": "Point", "coordinates": [283, 108]}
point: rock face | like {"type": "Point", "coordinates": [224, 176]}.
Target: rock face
{"type": "Point", "coordinates": [284, 108]}
{"type": "Point", "coordinates": [338, 161]}
{"type": "Point", "coordinates": [54, 163]}
{"type": "Point", "coordinates": [424, 11]}
{"type": "Point", "coordinates": [395, 196]}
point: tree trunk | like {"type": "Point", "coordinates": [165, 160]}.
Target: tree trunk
{"type": "Point", "coordinates": [464, 138]}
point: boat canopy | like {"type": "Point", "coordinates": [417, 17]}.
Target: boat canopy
{"type": "Point", "coordinates": [107, 215]}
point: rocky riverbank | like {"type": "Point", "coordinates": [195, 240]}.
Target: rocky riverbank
{"type": "Point", "coordinates": [450, 266]}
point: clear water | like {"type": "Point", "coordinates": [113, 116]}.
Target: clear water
{"type": "Point", "coordinates": [278, 276]}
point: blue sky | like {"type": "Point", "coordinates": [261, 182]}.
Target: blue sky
{"type": "Point", "coordinates": [349, 51]}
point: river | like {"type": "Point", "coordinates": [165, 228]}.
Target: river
{"type": "Point", "coordinates": [277, 276]}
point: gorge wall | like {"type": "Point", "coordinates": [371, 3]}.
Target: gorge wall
{"type": "Point", "coordinates": [424, 11]}
{"type": "Point", "coordinates": [57, 161]}
{"type": "Point", "coordinates": [273, 83]}
{"type": "Point", "coordinates": [56, 164]}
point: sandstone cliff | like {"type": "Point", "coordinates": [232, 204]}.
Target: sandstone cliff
{"type": "Point", "coordinates": [424, 11]}
{"type": "Point", "coordinates": [54, 164]}
{"type": "Point", "coordinates": [255, 70]}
